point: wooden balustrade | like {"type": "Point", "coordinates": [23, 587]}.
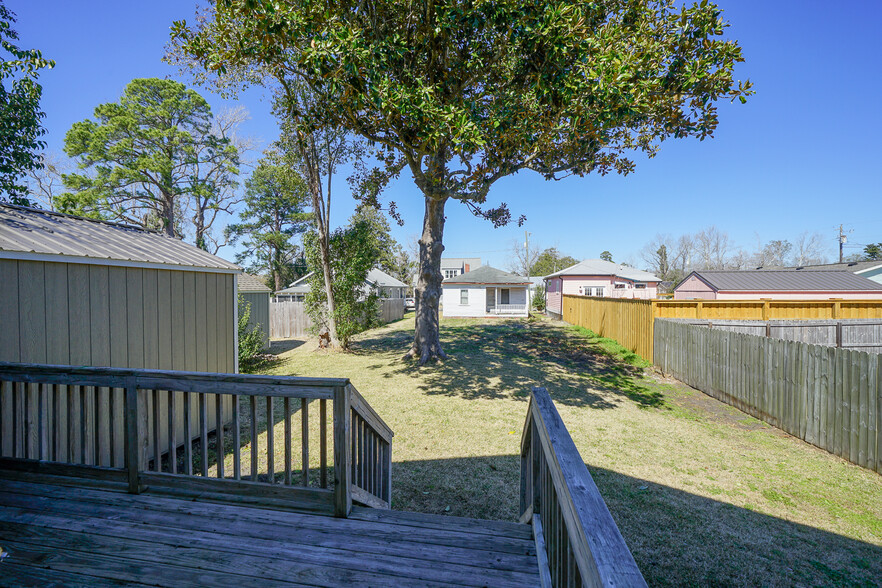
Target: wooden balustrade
{"type": "Point", "coordinates": [578, 542]}
{"type": "Point", "coordinates": [216, 432]}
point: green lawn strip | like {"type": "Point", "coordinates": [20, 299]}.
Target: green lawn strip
{"type": "Point", "coordinates": [702, 493]}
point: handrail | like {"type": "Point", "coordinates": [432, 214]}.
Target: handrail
{"type": "Point", "coordinates": [140, 425]}
{"type": "Point", "coordinates": [582, 542]}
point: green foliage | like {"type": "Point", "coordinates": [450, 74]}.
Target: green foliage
{"type": "Point", "coordinates": [606, 256]}
{"type": "Point", "coordinates": [355, 250]}
{"type": "Point", "coordinates": [20, 114]}
{"type": "Point", "coordinates": [147, 156]}
{"type": "Point", "coordinates": [873, 251]}
{"type": "Point", "coordinates": [539, 298]}
{"type": "Point", "coordinates": [550, 261]}
{"type": "Point", "coordinates": [250, 340]}
{"type": "Point", "coordinates": [275, 198]}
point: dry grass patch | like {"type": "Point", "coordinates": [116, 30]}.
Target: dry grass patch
{"type": "Point", "coordinates": [703, 493]}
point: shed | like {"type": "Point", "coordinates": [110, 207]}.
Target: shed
{"type": "Point", "coordinates": [485, 292]}
{"type": "Point", "coordinates": [85, 292]}
{"type": "Point", "coordinates": [256, 295]}
{"type": "Point", "coordinates": [776, 284]}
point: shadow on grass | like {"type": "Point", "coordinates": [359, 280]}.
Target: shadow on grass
{"type": "Point", "coordinates": [677, 538]}
{"type": "Point", "coordinates": [491, 360]}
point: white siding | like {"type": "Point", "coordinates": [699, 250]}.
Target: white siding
{"type": "Point", "coordinates": [477, 304]}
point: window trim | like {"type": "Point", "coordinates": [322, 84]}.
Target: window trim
{"type": "Point", "coordinates": [464, 293]}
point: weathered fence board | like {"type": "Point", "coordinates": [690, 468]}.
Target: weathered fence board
{"type": "Point", "coordinates": [289, 319]}
{"type": "Point", "coordinates": [829, 397]}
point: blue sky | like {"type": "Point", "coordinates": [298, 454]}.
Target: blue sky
{"type": "Point", "coordinates": [802, 155]}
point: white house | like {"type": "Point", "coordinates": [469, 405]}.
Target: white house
{"type": "Point", "coordinates": [485, 292]}
{"type": "Point", "coordinates": [377, 281]}
{"type": "Point", "coordinates": [596, 277]}
{"type": "Point", "coordinates": [455, 266]}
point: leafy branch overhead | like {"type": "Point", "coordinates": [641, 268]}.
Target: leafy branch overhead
{"type": "Point", "coordinates": [491, 87]}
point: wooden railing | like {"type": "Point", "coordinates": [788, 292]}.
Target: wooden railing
{"type": "Point", "coordinates": [203, 431]}
{"type": "Point", "coordinates": [506, 308]}
{"type": "Point", "coordinates": [577, 540]}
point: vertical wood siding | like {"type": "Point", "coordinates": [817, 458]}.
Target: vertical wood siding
{"type": "Point", "coordinates": [103, 316]}
{"type": "Point", "coordinates": [260, 312]}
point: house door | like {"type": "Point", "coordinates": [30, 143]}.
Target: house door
{"type": "Point", "coordinates": [503, 296]}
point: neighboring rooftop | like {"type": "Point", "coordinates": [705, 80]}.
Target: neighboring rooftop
{"type": "Point", "coordinates": [850, 266]}
{"type": "Point", "coordinates": [599, 267]}
{"type": "Point", "coordinates": [30, 233]}
{"type": "Point", "coordinates": [785, 280]}
{"type": "Point", "coordinates": [487, 275]}
{"type": "Point", "coordinates": [252, 283]}
{"type": "Point", "coordinates": [460, 262]}
{"type": "Point", "coordinates": [381, 279]}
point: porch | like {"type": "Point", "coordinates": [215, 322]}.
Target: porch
{"type": "Point", "coordinates": [509, 301]}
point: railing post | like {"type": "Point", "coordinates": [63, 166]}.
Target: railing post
{"type": "Point", "coordinates": [131, 442]}
{"type": "Point", "coordinates": [342, 456]}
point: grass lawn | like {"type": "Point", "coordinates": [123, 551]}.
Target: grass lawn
{"type": "Point", "coordinates": [703, 493]}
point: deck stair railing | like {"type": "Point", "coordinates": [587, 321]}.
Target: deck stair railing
{"type": "Point", "coordinates": [139, 426]}
{"type": "Point", "coordinates": [578, 542]}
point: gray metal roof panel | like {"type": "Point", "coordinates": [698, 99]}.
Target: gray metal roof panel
{"type": "Point", "coordinates": [33, 231]}
{"type": "Point", "coordinates": [786, 280]}
{"type": "Point", "coordinates": [487, 275]}
{"type": "Point", "coordinates": [599, 267]}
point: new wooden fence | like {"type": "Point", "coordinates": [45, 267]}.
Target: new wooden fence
{"type": "Point", "coordinates": [289, 320]}
{"type": "Point", "coordinates": [47, 425]}
{"type": "Point", "coordinates": [829, 397]}
{"type": "Point", "coordinates": [630, 321]}
{"type": "Point", "coordinates": [577, 540]}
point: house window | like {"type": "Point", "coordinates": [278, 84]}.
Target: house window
{"type": "Point", "coordinates": [640, 286]}
{"type": "Point", "coordinates": [450, 273]}
{"type": "Point", "coordinates": [463, 297]}
{"type": "Point", "coordinates": [504, 296]}
{"type": "Point", "coordinates": [598, 291]}
{"type": "Point", "coordinates": [620, 286]}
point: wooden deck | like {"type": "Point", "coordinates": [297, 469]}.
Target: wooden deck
{"type": "Point", "coordinates": [78, 532]}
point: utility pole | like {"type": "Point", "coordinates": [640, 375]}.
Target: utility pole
{"type": "Point", "coordinates": [842, 241]}
{"type": "Point", "coordinates": [527, 267]}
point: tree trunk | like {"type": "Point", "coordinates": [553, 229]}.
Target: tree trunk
{"type": "Point", "coordinates": [427, 336]}
{"type": "Point", "coordinates": [324, 249]}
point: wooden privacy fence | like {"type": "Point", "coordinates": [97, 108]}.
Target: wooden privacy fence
{"type": "Point", "coordinates": [577, 540]}
{"type": "Point", "coordinates": [47, 425]}
{"type": "Point", "coordinates": [288, 319]}
{"type": "Point", "coordinates": [829, 397]}
{"type": "Point", "coordinates": [862, 335]}
{"type": "Point", "coordinates": [630, 321]}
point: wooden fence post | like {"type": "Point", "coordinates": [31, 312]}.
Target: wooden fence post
{"type": "Point", "coordinates": [132, 420]}
{"type": "Point", "coordinates": [342, 455]}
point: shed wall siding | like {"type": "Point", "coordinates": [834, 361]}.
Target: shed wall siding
{"type": "Point", "coordinates": [73, 314]}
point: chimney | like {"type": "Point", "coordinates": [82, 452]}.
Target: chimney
{"type": "Point", "coordinates": [466, 268]}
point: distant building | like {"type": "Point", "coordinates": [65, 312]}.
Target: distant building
{"type": "Point", "coordinates": [485, 292]}
{"type": "Point", "coordinates": [786, 284]}
{"type": "Point", "coordinates": [377, 280]}
{"type": "Point", "coordinates": [455, 266]}
{"type": "Point", "coordinates": [596, 277]}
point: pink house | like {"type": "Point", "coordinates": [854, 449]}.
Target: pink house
{"type": "Point", "coordinates": [596, 277]}
{"type": "Point", "coordinates": [777, 285]}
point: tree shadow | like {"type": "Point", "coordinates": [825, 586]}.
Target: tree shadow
{"type": "Point", "coordinates": [490, 360]}
{"type": "Point", "coordinates": [677, 538]}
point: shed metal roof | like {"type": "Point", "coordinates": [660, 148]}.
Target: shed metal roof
{"type": "Point", "coordinates": [600, 267]}
{"type": "Point", "coordinates": [487, 275]}
{"type": "Point", "coordinates": [785, 280]}
{"type": "Point", "coordinates": [29, 233]}
{"type": "Point", "coordinates": [855, 267]}
{"type": "Point", "coordinates": [252, 283]}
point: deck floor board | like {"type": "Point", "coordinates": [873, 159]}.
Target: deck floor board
{"type": "Point", "coordinates": [98, 536]}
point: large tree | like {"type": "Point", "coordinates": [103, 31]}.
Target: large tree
{"type": "Point", "coordinates": [550, 261]}
{"type": "Point", "coordinates": [147, 156]}
{"type": "Point", "coordinates": [273, 215]}
{"type": "Point", "coordinates": [466, 93]}
{"type": "Point", "coordinates": [20, 114]}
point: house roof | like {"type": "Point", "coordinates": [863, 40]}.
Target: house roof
{"type": "Point", "coordinates": [252, 283]}
{"type": "Point", "coordinates": [487, 275]}
{"type": "Point", "coordinates": [599, 267]}
{"type": "Point", "coordinates": [452, 262]}
{"type": "Point", "coordinates": [41, 235]}
{"type": "Point", "coordinates": [784, 280]}
{"type": "Point", "coordinates": [855, 267]}
{"type": "Point", "coordinates": [381, 279]}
